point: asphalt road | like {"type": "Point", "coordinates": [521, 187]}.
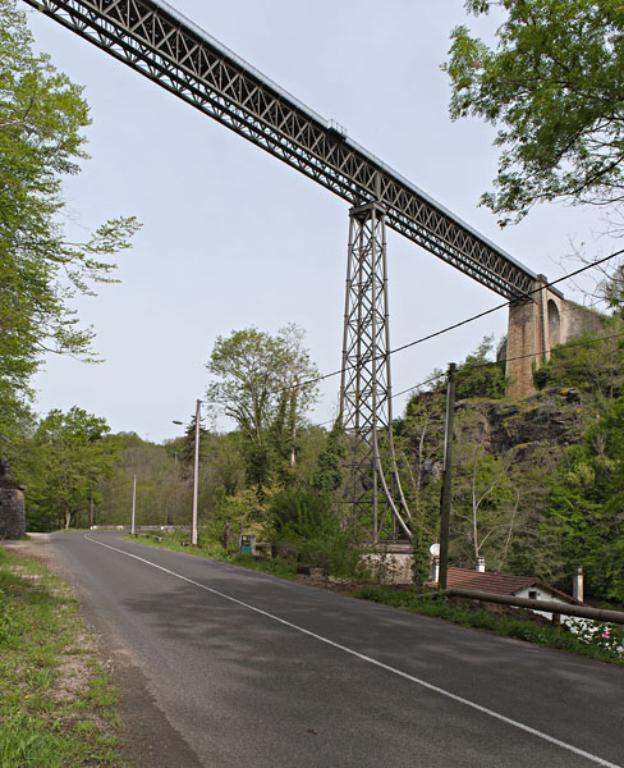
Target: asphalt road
{"type": "Point", "coordinates": [253, 672]}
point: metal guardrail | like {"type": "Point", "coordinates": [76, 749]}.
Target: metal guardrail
{"type": "Point", "coordinates": [140, 528]}
{"type": "Point", "coordinates": [549, 606]}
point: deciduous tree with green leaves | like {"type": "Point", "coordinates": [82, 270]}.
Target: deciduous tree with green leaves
{"type": "Point", "coordinates": [71, 455]}
{"type": "Point", "coordinates": [263, 383]}
{"type": "Point", "coordinates": [586, 517]}
{"type": "Point", "coordinates": [479, 375]}
{"type": "Point", "coordinates": [484, 501]}
{"type": "Point", "coordinates": [554, 87]}
{"type": "Point", "coordinates": [42, 118]}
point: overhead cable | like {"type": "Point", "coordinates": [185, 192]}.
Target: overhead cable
{"type": "Point", "coordinates": [454, 326]}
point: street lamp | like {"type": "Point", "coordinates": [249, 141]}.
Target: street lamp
{"type": "Point", "coordinates": [195, 470]}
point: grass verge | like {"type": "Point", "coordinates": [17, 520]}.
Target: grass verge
{"type": "Point", "coordinates": [285, 569]}
{"type": "Point", "coordinates": [455, 610]}
{"type": "Point", "coordinates": [465, 612]}
{"type": "Point", "coordinates": [57, 708]}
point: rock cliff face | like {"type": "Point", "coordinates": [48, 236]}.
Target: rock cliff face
{"type": "Point", "coordinates": [522, 432]}
{"type": "Point", "coordinates": [557, 418]}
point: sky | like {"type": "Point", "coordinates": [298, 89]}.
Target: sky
{"type": "Point", "coordinates": [232, 238]}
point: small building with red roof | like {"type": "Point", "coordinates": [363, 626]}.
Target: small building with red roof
{"type": "Point", "coordinates": [494, 583]}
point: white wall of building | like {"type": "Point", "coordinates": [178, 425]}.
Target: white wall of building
{"type": "Point", "coordinates": [537, 593]}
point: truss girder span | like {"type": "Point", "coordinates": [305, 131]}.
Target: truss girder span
{"type": "Point", "coordinates": [374, 490]}
{"type": "Point", "coordinates": [154, 39]}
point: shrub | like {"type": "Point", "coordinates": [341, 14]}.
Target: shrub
{"type": "Point", "coordinates": [606, 636]}
{"type": "Point", "coordinates": [307, 523]}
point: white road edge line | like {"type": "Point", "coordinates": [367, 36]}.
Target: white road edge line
{"type": "Point", "coordinates": [369, 660]}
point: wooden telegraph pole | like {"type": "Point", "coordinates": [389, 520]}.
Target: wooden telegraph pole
{"type": "Point", "coordinates": [445, 499]}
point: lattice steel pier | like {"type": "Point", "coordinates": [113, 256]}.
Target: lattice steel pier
{"type": "Point", "coordinates": [366, 388]}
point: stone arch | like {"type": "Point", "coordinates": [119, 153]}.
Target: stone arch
{"type": "Point", "coordinates": [554, 324]}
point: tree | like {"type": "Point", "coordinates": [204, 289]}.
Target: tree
{"type": "Point", "coordinates": [483, 508]}
{"type": "Point", "coordinates": [305, 523]}
{"type": "Point", "coordinates": [478, 376]}
{"type": "Point", "coordinates": [42, 116]}
{"type": "Point", "coordinates": [163, 496]}
{"type": "Point", "coordinates": [185, 447]}
{"type": "Point", "coordinates": [233, 515]}
{"type": "Point", "coordinates": [328, 477]}
{"type": "Point", "coordinates": [420, 440]}
{"type": "Point", "coordinates": [586, 518]}
{"type": "Point", "coordinates": [222, 465]}
{"type": "Point", "coordinates": [263, 382]}
{"type": "Point", "coordinates": [594, 363]}
{"type": "Point", "coordinates": [71, 454]}
{"type": "Point", "coordinates": [552, 86]}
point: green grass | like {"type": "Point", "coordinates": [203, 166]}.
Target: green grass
{"type": "Point", "coordinates": [285, 569]}
{"type": "Point", "coordinates": [45, 723]}
{"type": "Point", "coordinates": [468, 615]}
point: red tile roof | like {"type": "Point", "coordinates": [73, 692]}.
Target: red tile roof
{"type": "Point", "coordinates": [495, 583]}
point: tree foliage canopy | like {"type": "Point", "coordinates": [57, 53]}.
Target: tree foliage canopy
{"type": "Point", "coordinates": [479, 376]}
{"type": "Point", "coordinates": [594, 363]}
{"type": "Point", "coordinates": [554, 88]}
{"type": "Point", "coordinates": [70, 455]}
{"type": "Point", "coordinates": [586, 519]}
{"type": "Point", "coordinates": [263, 383]}
{"type": "Point", "coordinates": [42, 117]}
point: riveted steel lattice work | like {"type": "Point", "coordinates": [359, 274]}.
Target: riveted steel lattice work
{"type": "Point", "coordinates": [366, 389]}
{"type": "Point", "coordinates": [153, 38]}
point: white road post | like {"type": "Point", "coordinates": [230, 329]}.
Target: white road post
{"type": "Point", "coordinates": [196, 472]}
{"type": "Point", "coordinates": [132, 529]}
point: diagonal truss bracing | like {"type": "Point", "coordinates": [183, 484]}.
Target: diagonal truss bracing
{"type": "Point", "coordinates": [157, 41]}
{"type": "Point", "coordinates": [374, 490]}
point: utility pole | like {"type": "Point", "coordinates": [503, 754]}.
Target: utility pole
{"type": "Point", "coordinates": [133, 527]}
{"type": "Point", "coordinates": [196, 472]}
{"type": "Point", "coordinates": [445, 500]}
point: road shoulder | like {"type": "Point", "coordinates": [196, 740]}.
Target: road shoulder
{"type": "Point", "coordinates": [145, 736]}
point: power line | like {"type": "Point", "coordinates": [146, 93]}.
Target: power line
{"type": "Point", "coordinates": [586, 342]}
{"type": "Point", "coordinates": [454, 326]}
{"type": "Point", "coordinates": [424, 383]}
{"type": "Point", "coordinates": [442, 374]}
{"type": "Point", "coordinates": [487, 364]}
{"type": "Point", "coordinates": [478, 316]}
{"type": "Point", "coordinates": [430, 380]}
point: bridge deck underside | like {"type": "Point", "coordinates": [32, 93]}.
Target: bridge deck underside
{"type": "Point", "coordinates": [153, 39]}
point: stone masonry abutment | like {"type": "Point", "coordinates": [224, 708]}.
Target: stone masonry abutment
{"type": "Point", "coordinates": [535, 327]}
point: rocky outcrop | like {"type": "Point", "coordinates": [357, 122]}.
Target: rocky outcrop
{"type": "Point", "coordinates": [501, 425]}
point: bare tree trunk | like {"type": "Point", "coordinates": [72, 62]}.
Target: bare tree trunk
{"type": "Point", "coordinates": [293, 435]}
{"type": "Point", "coordinates": [512, 523]}
{"type": "Point", "coordinates": [475, 509]}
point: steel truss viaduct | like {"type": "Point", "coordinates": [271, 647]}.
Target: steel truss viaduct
{"type": "Point", "coordinates": [153, 38]}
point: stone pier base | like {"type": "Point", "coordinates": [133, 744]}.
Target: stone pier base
{"type": "Point", "coordinates": [390, 564]}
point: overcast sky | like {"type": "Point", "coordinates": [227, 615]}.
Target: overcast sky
{"type": "Point", "coordinates": [233, 238]}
